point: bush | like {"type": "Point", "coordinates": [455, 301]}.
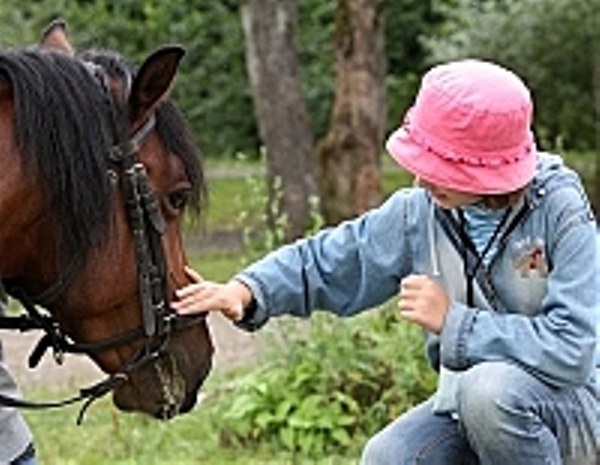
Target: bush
{"type": "Point", "coordinates": [328, 384]}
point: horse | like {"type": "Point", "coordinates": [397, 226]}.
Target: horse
{"type": "Point", "coordinates": [98, 168]}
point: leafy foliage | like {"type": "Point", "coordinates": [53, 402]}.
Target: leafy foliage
{"type": "Point", "coordinates": [549, 42]}
{"type": "Point", "coordinates": [211, 88]}
{"type": "Point", "coordinates": [328, 382]}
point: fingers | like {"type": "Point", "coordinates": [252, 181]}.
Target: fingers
{"type": "Point", "coordinates": [206, 296]}
{"type": "Point", "coordinates": [416, 282]}
{"type": "Point", "coordinates": [423, 301]}
{"type": "Point", "coordinates": [195, 298]}
{"type": "Point", "coordinates": [191, 290]}
{"type": "Point", "coordinates": [413, 288]}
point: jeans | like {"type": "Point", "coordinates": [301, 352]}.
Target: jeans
{"type": "Point", "coordinates": [506, 416]}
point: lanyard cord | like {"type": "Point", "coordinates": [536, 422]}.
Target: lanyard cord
{"type": "Point", "coordinates": [462, 242]}
{"type": "Point", "coordinates": [471, 271]}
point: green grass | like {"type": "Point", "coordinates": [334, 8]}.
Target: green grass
{"type": "Point", "coordinates": [108, 436]}
{"type": "Point", "coordinates": [216, 265]}
{"type": "Point", "coordinates": [235, 189]}
{"type": "Point", "coordinates": [237, 200]}
{"type": "Point", "coordinates": [229, 200]}
{"type": "Point", "coordinates": [111, 437]}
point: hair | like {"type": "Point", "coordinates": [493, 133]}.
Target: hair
{"type": "Point", "coordinates": [63, 130]}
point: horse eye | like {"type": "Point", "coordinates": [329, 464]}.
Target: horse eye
{"type": "Point", "coordinates": [178, 200]}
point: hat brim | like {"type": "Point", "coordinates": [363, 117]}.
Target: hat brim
{"type": "Point", "coordinates": [457, 175]}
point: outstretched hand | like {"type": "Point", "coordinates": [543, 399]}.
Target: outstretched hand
{"type": "Point", "coordinates": [424, 302]}
{"type": "Point", "coordinates": [203, 296]}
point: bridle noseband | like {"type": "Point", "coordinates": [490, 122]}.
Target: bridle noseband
{"type": "Point", "coordinates": [147, 227]}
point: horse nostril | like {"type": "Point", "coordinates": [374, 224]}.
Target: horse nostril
{"type": "Point", "coordinates": [168, 411]}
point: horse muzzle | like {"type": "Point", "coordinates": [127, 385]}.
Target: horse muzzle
{"type": "Point", "coordinates": [161, 388]}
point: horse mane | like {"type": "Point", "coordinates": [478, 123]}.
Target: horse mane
{"type": "Point", "coordinates": [64, 129]}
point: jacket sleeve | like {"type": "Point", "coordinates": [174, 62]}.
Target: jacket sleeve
{"type": "Point", "coordinates": [345, 269]}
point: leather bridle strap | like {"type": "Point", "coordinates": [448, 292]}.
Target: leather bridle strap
{"type": "Point", "coordinates": [147, 227]}
{"type": "Point", "coordinates": [103, 387]}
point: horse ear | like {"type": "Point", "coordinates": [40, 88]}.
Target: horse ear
{"type": "Point", "coordinates": [55, 37]}
{"type": "Point", "coordinates": [153, 80]}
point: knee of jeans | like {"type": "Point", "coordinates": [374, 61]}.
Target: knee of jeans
{"type": "Point", "coordinates": [373, 453]}
{"type": "Point", "coordinates": [378, 451]}
{"type": "Point", "coordinates": [486, 392]}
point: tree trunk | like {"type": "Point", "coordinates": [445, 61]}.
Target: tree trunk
{"type": "Point", "coordinates": [270, 30]}
{"type": "Point", "coordinates": [349, 155]}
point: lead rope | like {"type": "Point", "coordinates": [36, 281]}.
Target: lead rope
{"type": "Point", "coordinates": [88, 395]}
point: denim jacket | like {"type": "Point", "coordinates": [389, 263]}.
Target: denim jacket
{"type": "Point", "coordinates": [534, 303]}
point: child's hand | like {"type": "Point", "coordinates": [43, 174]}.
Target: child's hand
{"type": "Point", "coordinates": [424, 302]}
{"type": "Point", "coordinates": [203, 296]}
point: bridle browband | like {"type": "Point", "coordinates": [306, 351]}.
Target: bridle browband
{"type": "Point", "coordinates": [147, 226]}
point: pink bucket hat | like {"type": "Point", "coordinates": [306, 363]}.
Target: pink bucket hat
{"type": "Point", "coordinates": [469, 129]}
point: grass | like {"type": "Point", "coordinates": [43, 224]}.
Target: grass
{"type": "Point", "coordinates": [109, 436]}
{"type": "Point", "coordinates": [236, 189]}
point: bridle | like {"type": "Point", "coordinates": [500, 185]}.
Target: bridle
{"type": "Point", "coordinates": [147, 227]}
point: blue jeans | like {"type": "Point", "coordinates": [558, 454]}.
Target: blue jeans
{"type": "Point", "coordinates": [506, 417]}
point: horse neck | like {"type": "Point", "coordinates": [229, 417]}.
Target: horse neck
{"type": "Point", "coordinates": [27, 242]}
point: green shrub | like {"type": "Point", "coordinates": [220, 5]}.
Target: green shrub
{"type": "Point", "coordinates": [329, 384]}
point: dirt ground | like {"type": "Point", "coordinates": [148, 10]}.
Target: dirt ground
{"type": "Point", "coordinates": [233, 347]}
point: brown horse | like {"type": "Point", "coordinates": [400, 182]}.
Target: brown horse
{"type": "Point", "coordinates": [97, 168]}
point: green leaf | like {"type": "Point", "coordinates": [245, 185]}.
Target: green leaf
{"type": "Point", "coordinates": [341, 436]}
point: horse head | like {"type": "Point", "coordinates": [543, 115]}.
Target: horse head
{"type": "Point", "coordinates": [98, 169]}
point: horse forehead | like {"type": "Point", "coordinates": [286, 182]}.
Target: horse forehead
{"type": "Point", "coordinates": [162, 166]}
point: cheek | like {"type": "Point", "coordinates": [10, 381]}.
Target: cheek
{"type": "Point", "coordinates": [109, 279]}
{"type": "Point", "coordinates": [175, 257]}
